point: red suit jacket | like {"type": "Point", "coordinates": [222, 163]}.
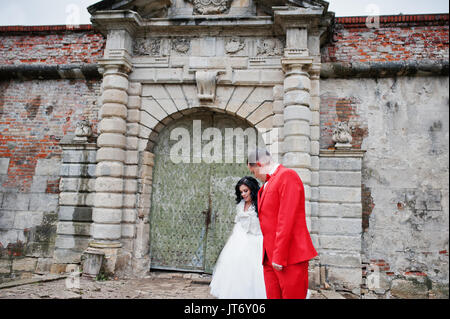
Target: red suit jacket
{"type": "Point", "coordinates": [281, 210]}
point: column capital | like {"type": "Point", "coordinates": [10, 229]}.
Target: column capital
{"type": "Point", "coordinates": [114, 65]}
{"type": "Point", "coordinates": [302, 63]}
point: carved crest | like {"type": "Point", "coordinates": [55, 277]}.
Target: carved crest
{"type": "Point", "coordinates": [234, 45]}
{"type": "Point", "coordinates": [150, 47]}
{"type": "Point", "coordinates": [210, 6]}
{"type": "Point", "coordinates": [269, 47]}
{"type": "Point", "coordinates": [181, 45]}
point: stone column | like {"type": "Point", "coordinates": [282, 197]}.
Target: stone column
{"type": "Point", "coordinates": [111, 155]}
{"type": "Point", "coordinates": [297, 113]}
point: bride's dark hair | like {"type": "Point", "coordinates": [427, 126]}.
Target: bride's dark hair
{"type": "Point", "coordinates": [253, 185]}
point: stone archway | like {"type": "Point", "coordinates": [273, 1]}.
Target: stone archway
{"type": "Point", "coordinates": [193, 199]}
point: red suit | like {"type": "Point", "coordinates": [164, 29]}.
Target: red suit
{"type": "Point", "coordinates": [281, 210]}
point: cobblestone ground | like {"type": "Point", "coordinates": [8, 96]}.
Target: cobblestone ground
{"type": "Point", "coordinates": [158, 285]}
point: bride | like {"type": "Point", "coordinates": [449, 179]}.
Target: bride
{"type": "Point", "coordinates": [238, 273]}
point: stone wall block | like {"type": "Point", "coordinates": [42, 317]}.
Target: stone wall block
{"type": "Point", "coordinates": [112, 169]}
{"type": "Point", "coordinates": [108, 200]}
{"type": "Point", "coordinates": [297, 82]}
{"type": "Point", "coordinates": [109, 184]}
{"type": "Point", "coordinates": [4, 164]}
{"type": "Point", "coordinates": [297, 97]}
{"type": "Point", "coordinates": [114, 96]}
{"type": "Point", "coordinates": [74, 213]}
{"type": "Point", "coordinates": [340, 178]}
{"type": "Point", "coordinates": [73, 228]}
{"type": "Point", "coordinates": [344, 210]}
{"type": "Point", "coordinates": [134, 102]}
{"type": "Point", "coordinates": [78, 170]}
{"type": "Point", "coordinates": [79, 156]}
{"type": "Point", "coordinates": [112, 125]}
{"type": "Point", "coordinates": [339, 226]}
{"type": "Point", "coordinates": [108, 232]}
{"type": "Point", "coordinates": [76, 199]}
{"type": "Point", "coordinates": [73, 184]}
{"type": "Point", "coordinates": [296, 144]}
{"type": "Point", "coordinates": [340, 164]}
{"type": "Point", "coordinates": [113, 110]}
{"type": "Point", "coordinates": [110, 154]}
{"type": "Point", "coordinates": [134, 116]}
{"type": "Point", "coordinates": [298, 160]}
{"type": "Point", "coordinates": [112, 140]}
{"type": "Point", "coordinates": [297, 127]}
{"type": "Point", "coordinates": [340, 194]}
{"type": "Point", "coordinates": [135, 88]}
{"type": "Point", "coordinates": [297, 112]}
{"type": "Point", "coordinates": [107, 215]}
{"type": "Point", "coordinates": [115, 82]}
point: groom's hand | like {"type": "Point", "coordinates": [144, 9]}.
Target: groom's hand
{"type": "Point", "coordinates": [277, 267]}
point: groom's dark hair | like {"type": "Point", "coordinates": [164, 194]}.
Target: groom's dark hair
{"type": "Point", "coordinates": [259, 155]}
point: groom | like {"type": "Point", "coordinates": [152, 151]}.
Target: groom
{"type": "Point", "coordinates": [287, 245]}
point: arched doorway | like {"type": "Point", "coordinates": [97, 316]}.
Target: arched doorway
{"type": "Point", "coordinates": [193, 201]}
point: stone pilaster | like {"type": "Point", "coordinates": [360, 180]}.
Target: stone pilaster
{"type": "Point", "coordinates": [297, 120]}
{"type": "Point", "coordinates": [110, 198]}
{"type": "Point", "coordinates": [75, 200]}
{"type": "Point", "coordinates": [109, 184]}
{"type": "Point", "coordinates": [340, 212]}
{"type": "Point", "coordinates": [315, 147]}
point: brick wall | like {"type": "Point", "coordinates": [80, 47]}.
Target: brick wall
{"type": "Point", "coordinates": [399, 38]}
{"type": "Point", "coordinates": [34, 116]}
{"type": "Point", "coordinates": [50, 45]}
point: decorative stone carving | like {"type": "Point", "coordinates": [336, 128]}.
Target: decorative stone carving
{"type": "Point", "coordinates": [83, 131]}
{"type": "Point", "coordinates": [234, 45]}
{"type": "Point", "coordinates": [181, 45]}
{"type": "Point", "coordinates": [269, 47]}
{"type": "Point", "coordinates": [342, 135]}
{"type": "Point", "coordinates": [206, 85]}
{"type": "Point", "coordinates": [150, 47]}
{"type": "Point", "coordinates": [210, 6]}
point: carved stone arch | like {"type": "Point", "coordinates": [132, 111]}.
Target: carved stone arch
{"type": "Point", "coordinates": [154, 135]}
{"type": "Point", "coordinates": [163, 103]}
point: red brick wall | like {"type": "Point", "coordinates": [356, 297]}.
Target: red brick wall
{"type": "Point", "coordinates": [399, 38]}
{"type": "Point", "coordinates": [34, 116]}
{"type": "Point", "coordinates": [334, 110]}
{"type": "Point", "coordinates": [50, 45]}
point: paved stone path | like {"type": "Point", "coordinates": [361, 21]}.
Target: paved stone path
{"type": "Point", "coordinates": [158, 285]}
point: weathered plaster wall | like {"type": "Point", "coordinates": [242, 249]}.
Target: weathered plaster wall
{"type": "Point", "coordinates": [405, 179]}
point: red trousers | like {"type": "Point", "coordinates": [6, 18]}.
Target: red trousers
{"type": "Point", "coordinates": [289, 283]}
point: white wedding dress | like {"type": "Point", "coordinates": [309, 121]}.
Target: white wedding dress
{"type": "Point", "coordinates": [238, 273]}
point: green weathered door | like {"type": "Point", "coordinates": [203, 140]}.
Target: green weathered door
{"type": "Point", "coordinates": [193, 204]}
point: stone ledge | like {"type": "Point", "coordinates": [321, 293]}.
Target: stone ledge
{"type": "Point", "coordinates": [383, 69]}
{"type": "Point", "coordinates": [49, 72]}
